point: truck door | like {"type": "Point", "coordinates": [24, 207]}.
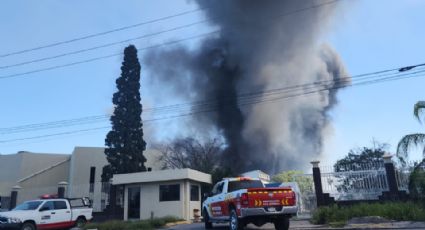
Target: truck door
{"type": "Point", "coordinates": [47, 215]}
{"type": "Point", "coordinates": [62, 213]}
{"type": "Point", "coordinates": [217, 199]}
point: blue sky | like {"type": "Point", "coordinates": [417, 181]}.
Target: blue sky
{"type": "Point", "coordinates": [368, 35]}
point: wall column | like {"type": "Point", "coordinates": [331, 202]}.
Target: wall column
{"type": "Point", "coordinates": [14, 196]}
{"type": "Point", "coordinates": [391, 174]}
{"type": "Point", "coordinates": [62, 188]}
{"type": "Point", "coordinates": [317, 179]}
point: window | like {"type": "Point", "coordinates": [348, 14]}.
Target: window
{"type": "Point", "coordinates": [169, 192]}
{"type": "Point", "coordinates": [60, 205]}
{"type": "Point", "coordinates": [75, 203]}
{"type": "Point", "coordinates": [194, 193]}
{"type": "Point", "coordinates": [48, 206]}
{"type": "Point", "coordinates": [244, 184]}
{"type": "Point", "coordinates": [92, 177]}
{"type": "Point", "coordinates": [218, 188]}
{"type": "Point", "coordinates": [30, 205]}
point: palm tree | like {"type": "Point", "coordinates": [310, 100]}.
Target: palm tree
{"type": "Point", "coordinates": [415, 139]}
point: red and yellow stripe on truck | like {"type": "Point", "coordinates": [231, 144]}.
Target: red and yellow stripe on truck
{"type": "Point", "coordinates": [265, 197]}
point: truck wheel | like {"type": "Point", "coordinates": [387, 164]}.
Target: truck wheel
{"type": "Point", "coordinates": [234, 223]}
{"type": "Point", "coordinates": [207, 222]}
{"type": "Point", "coordinates": [282, 223]}
{"type": "Point", "coordinates": [28, 226]}
{"type": "Point", "coordinates": [80, 222]}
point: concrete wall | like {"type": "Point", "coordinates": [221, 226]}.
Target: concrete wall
{"type": "Point", "coordinates": [150, 204]}
{"type": "Point", "coordinates": [34, 162]}
{"type": "Point", "coordinates": [14, 167]}
{"type": "Point", "coordinates": [149, 201]}
{"type": "Point", "coordinates": [85, 157]}
{"type": "Point", "coordinates": [82, 159]}
{"type": "Point", "coordinates": [45, 182]}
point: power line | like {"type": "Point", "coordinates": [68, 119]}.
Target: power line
{"type": "Point", "coordinates": [171, 108]}
{"type": "Point", "coordinates": [243, 99]}
{"type": "Point", "coordinates": [213, 109]}
{"type": "Point", "coordinates": [207, 102]}
{"type": "Point", "coordinates": [147, 35]}
{"type": "Point", "coordinates": [102, 46]}
{"type": "Point", "coordinates": [102, 57]}
{"type": "Point", "coordinates": [101, 33]}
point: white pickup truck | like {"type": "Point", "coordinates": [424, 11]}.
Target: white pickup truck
{"type": "Point", "coordinates": [52, 213]}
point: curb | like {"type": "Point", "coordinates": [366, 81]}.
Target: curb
{"type": "Point", "coordinates": [177, 223]}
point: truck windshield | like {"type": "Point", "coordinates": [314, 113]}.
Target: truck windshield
{"type": "Point", "coordinates": [29, 205]}
{"type": "Point", "coordinates": [244, 184]}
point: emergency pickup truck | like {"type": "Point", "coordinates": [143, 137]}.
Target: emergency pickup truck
{"type": "Point", "coordinates": [51, 213]}
{"type": "Point", "coordinates": [240, 201]}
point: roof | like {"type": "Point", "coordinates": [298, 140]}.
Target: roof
{"type": "Point", "coordinates": [161, 175]}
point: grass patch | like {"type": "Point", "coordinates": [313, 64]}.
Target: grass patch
{"type": "Point", "coordinates": [400, 211]}
{"type": "Point", "coordinates": [133, 225]}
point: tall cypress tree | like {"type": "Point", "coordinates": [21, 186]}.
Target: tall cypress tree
{"type": "Point", "coordinates": [125, 144]}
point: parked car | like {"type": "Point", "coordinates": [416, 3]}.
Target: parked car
{"type": "Point", "coordinates": [51, 213]}
{"type": "Point", "coordinates": [240, 201]}
{"type": "Point", "coordinates": [9, 223]}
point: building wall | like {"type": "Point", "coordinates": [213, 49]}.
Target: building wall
{"type": "Point", "coordinates": [82, 159]}
{"type": "Point", "coordinates": [85, 157]}
{"type": "Point", "coordinates": [34, 162]}
{"type": "Point", "coordinates": [150, 204]}
{"type": "Point", "coordinates": [45, 182]}
{"type": "Point", "coordinates": [14, 167]}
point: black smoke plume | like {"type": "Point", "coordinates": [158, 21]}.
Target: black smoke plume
{"type": "Point", "coordinates": [260, 47]}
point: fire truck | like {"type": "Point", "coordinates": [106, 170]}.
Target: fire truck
{"type": "Point", "coordinates": [242, 200]}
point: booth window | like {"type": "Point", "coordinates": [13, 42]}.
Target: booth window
{"type": "Point", "coordinates": [169, 192]}
{"type": "Point", "coordinates": [194, 193]}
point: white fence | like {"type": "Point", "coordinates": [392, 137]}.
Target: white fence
{"type": "Point", "coordinates": [360, 181]}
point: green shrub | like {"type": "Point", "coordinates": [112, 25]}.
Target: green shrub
{"type": "Point", "coordinates": [401, 211]}
{"type": "Point", "coordinates": [417, 182]}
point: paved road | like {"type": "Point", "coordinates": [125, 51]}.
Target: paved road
{"type": "Point", "coordinates": [304, 225]}
{"type": "Point", "coordinates": [200, 226]}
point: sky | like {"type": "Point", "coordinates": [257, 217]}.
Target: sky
{"type": "Point", "coordinates": [368, 35]}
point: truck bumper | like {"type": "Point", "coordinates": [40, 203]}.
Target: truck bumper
{"type": "Point", "coordinates": [10, 226]}
{"type": "Point", "coordinates": [285, 210]}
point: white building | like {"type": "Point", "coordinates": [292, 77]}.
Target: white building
{"type": "Point", "coordinates": [40, 173]}
{"type": "Point", "coordinates": [174, 192]}
{"type": "Point", "coordinates": [153, 193]}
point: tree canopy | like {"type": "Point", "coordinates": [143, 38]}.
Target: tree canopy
{"type": "Point", "coordinates": [192, 153]}
{"type": "Point", "coordinates": [125, 144]}
{"type": "Point", "coordinates": [358, 158]}
{"type": "Point", "coordinates": [414, 139]}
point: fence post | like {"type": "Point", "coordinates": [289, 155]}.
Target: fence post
{"type": "Point", "coordinates": [14, 196]}
{"type": "Point", "coordinates": [391, 175]}
{"type": "Point", "coordinates": [61, 189]}
{"type": "Point", "coordinates": [317, 179]}
{"type": "Point", "coordinates": [393, 193]}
